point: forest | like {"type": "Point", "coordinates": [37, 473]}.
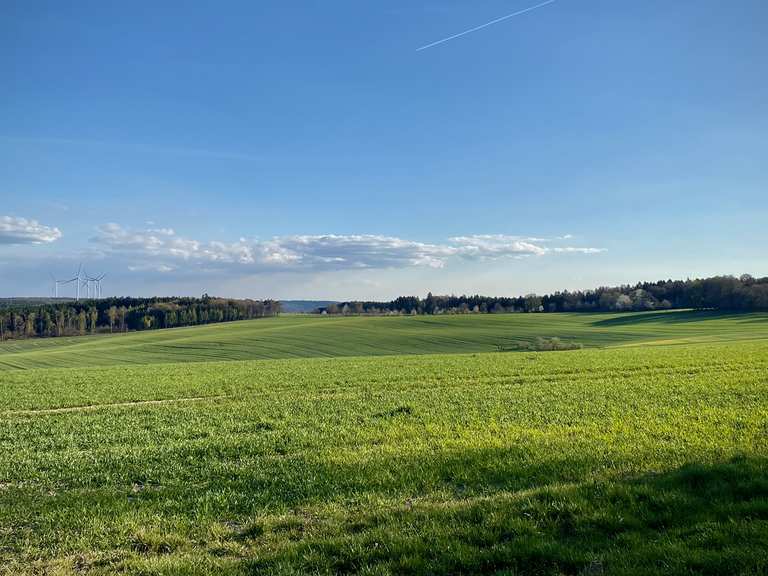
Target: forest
{"type": "Point", "coordinates": [726, 293]}
{"type": "Point", "coordinates": [75, 318]}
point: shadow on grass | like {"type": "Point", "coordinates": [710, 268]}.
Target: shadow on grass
{"type": "Point", "coordinates": [695, 520]}
{"type": "Point", "coordinates": [468, 512]}
{"type": "Point", "coordinates": [672, 317]}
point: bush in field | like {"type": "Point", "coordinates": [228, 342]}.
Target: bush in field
{"type": "Point", "coordinates": [540, 345]}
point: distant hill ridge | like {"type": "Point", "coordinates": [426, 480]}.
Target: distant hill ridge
{"type": "Point", "coordinates": [304, 306]}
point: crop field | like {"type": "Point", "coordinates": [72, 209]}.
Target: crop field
{"type": "Point", "coordinates": [644, 453]}
{"type": "Point", "coordinates": [314, 336]}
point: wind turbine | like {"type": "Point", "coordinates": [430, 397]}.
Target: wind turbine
{"type": "Point", "coordinates": [55, 285]}
{"type": "Point", "coordinates": [85, 283]}
{"type": "Point", "coordinates": [92, 284]}
{"type": "Point", "coordinates": [58, 283]}
{"type": "Point", "coordinates": [98, 285]}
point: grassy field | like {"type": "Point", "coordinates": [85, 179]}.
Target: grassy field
{"type": "Point", "coordinates": [314, 336]}
{"type": "Point", "coordinates": [626, 460]}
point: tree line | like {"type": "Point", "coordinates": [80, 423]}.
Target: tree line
{"type": "Point", "coordinates": [73, 318]}
{"type": "Point", "coordinates": [726, 293]}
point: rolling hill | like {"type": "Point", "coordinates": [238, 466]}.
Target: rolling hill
{"type": "Point", "coordinates": [314, 336]}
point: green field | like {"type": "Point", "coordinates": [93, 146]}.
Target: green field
{"type": "Point", "coordinates": [315, 336]}
{"type": "Point", "coordinates": [644, 453]}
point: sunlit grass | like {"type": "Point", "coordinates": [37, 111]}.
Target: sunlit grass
{"type": "Point", "coordinates": [645, 460]}
{"type": "Point", "coordinates": [314, 336]}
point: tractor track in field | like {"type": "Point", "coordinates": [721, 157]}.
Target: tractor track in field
{"type": "Point", "coordinates": [90, 407]}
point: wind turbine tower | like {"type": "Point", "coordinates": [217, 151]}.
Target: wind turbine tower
{"type": "Point", "coordinates": [77, 282]}
{"type": "Point", "coordinates": [55, 285]}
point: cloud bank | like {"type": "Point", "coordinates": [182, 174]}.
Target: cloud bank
{"type": "Point", "coordinates": [24, 231]}
{"type": "Point", "coordinates": [162, 250]}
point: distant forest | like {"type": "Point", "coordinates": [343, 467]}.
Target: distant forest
{"type": "Point", "coordinates": [725, 293]}
{"type": "Point", "coordinates": [44, 318]}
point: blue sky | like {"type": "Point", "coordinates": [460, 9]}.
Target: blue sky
{"type": "Point", "coordinates": [307, 150]}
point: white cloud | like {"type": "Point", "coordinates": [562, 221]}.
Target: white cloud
{"type": "Point", "coordinates": [24, 231]}
{"type": "Point", "coordinates": [572, 250]}
{"type": "Point", "coordinates": [161, 249]}
{"type": "Point", "coordinates": [494, 246]}
{"type": "Point", "coordinates": [151, 268]}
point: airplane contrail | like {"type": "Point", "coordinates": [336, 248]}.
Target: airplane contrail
{"type": "Point", "coordinates": [491, 23]}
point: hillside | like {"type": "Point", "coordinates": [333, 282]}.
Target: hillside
{"type": "Point", "coordinates": [313, 336]}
